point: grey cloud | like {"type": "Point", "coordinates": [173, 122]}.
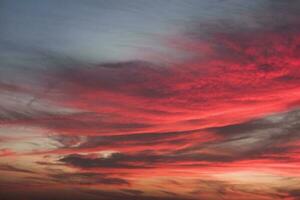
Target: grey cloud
{"type": "Point", "coordinates": [10, 168]}
{"type": "Point", "coordinates": [88, 179]}
{"type": "Point", "coordinates": [116, 160]}
{"type": "Point", "coordinates": [147, 139]}
{"type": "Point", "coordinates": [256, 138]}
{"type": "Point", "coordinates": [129, 196]}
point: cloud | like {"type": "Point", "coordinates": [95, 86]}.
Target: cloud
{"type": "Point", "coordinates": [240, 78]}
{"type": "Point", "coordinates": [116, 160]}
{"type": "Point", "coordinates": [226, 108]}
{"type": "Point", "coordinates": [125, 195]}
{"type": "Point", "coordinates": [6, 152]}
{"type": "Point", "coordinates": [270, 137]}
{"type": "Point", "coordinates": [88, 179]}
{"type": "Point", "coordinates": [158, 140]}
{"type": "Point", "coordinates": [10, 168]}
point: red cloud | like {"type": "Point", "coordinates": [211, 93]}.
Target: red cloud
{"type": "Point", "coordinates": [196, 118]}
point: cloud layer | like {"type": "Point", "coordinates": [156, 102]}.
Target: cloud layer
{"type": "Point", "coordinates": [220, 119]}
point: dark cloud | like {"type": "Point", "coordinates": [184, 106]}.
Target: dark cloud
{"type": "Point", "coordinates": [26, 116]}
{"type": "Point", "coordinates": [281, 124]}
{"type": "Point", "coordinates": [66, 122]}
{"type": "Point", "coordinates": [142, 160]}
{"type": "Point", "coordinates": [10, 168]}
{"type": "Point", "coordinates": [258, 138]}
{"type": "Point", "coordinates": [134, 192]}
{"type": "Point", "coordinates": [144, 139]}
{"type": "Point", "coordinates": [125, 195]}
{"type": "Point", "coordinates": [272, 130]}
{"type": "Point", "coordinates": [254, 139]}
{"type": "Point", "coordinates": [88, 179]}
{"type": "Point", "coordinates": [294, 194]}
{"type": "Point", "coordinates": [81, 194]}
{"type": "Point", "coordinates": [116, 160]}
{"type": "Point", "coordinates": [136, 78]}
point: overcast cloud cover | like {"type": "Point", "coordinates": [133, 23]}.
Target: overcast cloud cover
{"type": "Point", "coordinates": [160, 100]}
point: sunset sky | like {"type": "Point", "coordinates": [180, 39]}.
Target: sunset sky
{"type": "Point", "coordinates": [149, 100]}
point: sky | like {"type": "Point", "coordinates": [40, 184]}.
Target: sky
{"type": "Point", "coordinates": [149, 99]}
